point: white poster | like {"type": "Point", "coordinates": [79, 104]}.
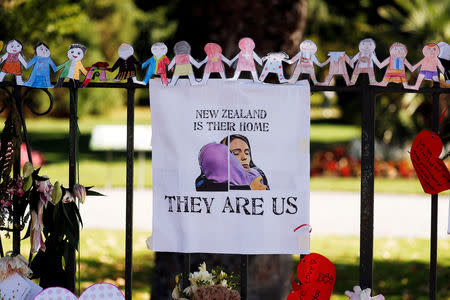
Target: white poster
{"type": "Point", "coordinates": [230, 167]}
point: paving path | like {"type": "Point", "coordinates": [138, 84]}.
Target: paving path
{"type": "Point", "coordinates": [332, 213]}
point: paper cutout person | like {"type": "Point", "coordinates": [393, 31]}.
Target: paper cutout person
{"type": "Point", "coordinates": [306, 59]}
{"type": "Point", "coordinates": [365, 59]}
{"type": "Point", "coordinates": [41, 62]}
{"type": "Point", "coordinates": [126, 64]}
{"type": "Point", "coordinates": [245, 59]}
{"type": "Point", "coordinates": [71, 68]}
{"type": "Point", "coordinates": [13, 61]}
{"type": "Point", "coordinates": [428, 65]}
{"type": "Point", "coordinates": [213, 60]}
{"type": "Point", "coordinates": [444, 57]}
{"type": "Point", "coordinates": [182, 62]}
{"type": "Point", "coordinates": [157, 63]}
{"type": "Point", "coordinates": [274, 64]}
{"type": "Point", "coordinates": [337, 60]}
{"type": "Point", "coordinates": [99, 70]}
{"type": "Point", "coordinates": [396, 63]}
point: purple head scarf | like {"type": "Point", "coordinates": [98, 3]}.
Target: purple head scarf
{"type": "Point", "coordinates": [213, 160]}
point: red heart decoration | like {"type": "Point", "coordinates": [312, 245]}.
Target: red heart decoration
{"type": "Point", "coordinates": [431, 170]}
{"type": "Point", "coordinates": [317, 275]}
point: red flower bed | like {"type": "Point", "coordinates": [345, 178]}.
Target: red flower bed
{"type": "Point", "coordinates": [339, 163]}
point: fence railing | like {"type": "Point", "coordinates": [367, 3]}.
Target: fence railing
{"type": "Point", "coordinates": [368, 96]}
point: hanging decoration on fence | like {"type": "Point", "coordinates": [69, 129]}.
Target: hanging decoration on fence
{"type": "Point", "coordinates": [13, 61]}
{"type": "Point", "coordinates": [337, 61]}
{"type": "Point", "coordinates": [436, 60]}
{"type": "Point", "coordinates": [274, 64]}
{"type": "Point", "coordinates": [444, 57]}
{"type": "Point", "coordinates": [431, 170]}
{"type": "Point", "coordinates": [246, 167]}
{"type": "Point", "coordinates": [429, 65]}
{"type": "Point", "coordinates": [41, 63]}
{"type": "Point", "coordinates": [305, 59]}
{"type": "Point", "coordinates": [396, 63]}
{"type": "Point", "coordinates": [364, 60]}
{"type": "Point", "coordinates": [95, 291]}
{"type": "Point", "coordinates": [359, 294]}
{"type": "Point", "coordinates": [14, 282]}
{"type": "Point", "coordinates": [317, 276]}
{"type": "Point", "coordinates": [96, 71]}
{"type": "Point", "coordinates": [72, 68]}
{"type": "Point", "coordinates": [214, 62]}
{"type": "Point", "coordinates": [246, 59]}
{"type": "Point", "coordinates": [183, 62]}
{"type": "Point", "coordinates": [126, 64]}
{"type": "Point", "coordinates": [157, 64]}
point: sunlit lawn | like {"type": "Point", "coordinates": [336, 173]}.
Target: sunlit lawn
{"type": "Point", "coordinates": [400, 265]}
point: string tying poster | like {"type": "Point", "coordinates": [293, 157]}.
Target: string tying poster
{"type": "Point", "coordinates": [230, 167]}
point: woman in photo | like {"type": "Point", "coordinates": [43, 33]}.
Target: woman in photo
{"type": "Point", "coordinates": [222, 171]}
{"type": "Point", "coordinates": [239, 145]}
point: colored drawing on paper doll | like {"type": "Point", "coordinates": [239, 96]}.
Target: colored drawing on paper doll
{"type": "Point", "coordinates": [96, 72]}
{"type": "Point", "coordinates": [13, 61]}
{"type": "Point", "coordinates": [214, 61]}
{"type": "Point", "coordinates": [183, 62]}
{"type": "Point", "coordinates": [396, 63]}
{"type": "Point", "coordinates": [305, 59]}
{"type": "Point", "coordinates": [364, 60]}
{"type": "Point", "coordinates": [337, 61]}
{"type": "Point", "coordinates": [41, 63]}
{"type": "Point", "coordinates": [444, 57]}
{"type": "Point", "coordinates": [72, 68]}
{"type": "Point", "coordinates": [429, 66]}
{"type": "Point", "coordinates": [274, 64]}
{"type": "Point", "coordinates": [157, 64]}
{"type": "Point", "coordinates": [246, 59]}
{"type": "Point", "coordinates": [126, 63]}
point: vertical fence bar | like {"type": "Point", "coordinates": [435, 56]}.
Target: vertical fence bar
{"type": "Point", "coordinates": [73, 145]}
{"type": "Point", "coordinates": [129, 195]}
{"type": "Point", "coordinates": [244, 275]}
{"type": "Point", "coordinates": [434, 210]}
{"type": "Point", "coordinates": [367, 185]}
{"type": "Point", "coordinates": [16, 172]}
{"type": "Point", "coordinates": [186, 268]}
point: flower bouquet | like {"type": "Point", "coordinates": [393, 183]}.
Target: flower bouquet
{"type": "Point", "coordinates": [206, 285]}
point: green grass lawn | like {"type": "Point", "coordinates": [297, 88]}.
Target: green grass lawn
{"type": "Point", "coordinates": [400, 265]}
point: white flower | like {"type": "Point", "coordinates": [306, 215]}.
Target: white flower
{"type": "Point", "coordinates": [79, 192]}
{"type": "Point", "coordinates": [67, 197]}
{"type": "Point", "coordinates": [224, 283]}
{"type": "Point", "coordinates": [202, 267]}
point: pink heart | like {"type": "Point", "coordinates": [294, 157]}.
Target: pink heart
{"type": "Point", "coordinates": [98, 291]}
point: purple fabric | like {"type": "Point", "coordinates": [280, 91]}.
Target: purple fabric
{"type": "Point", "coordinates": [429, 74]}
{"type": "Point", "coordinates": [213, 160]}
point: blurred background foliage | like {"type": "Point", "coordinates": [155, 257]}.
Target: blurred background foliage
{"type": "Point", "coordinates": [102, 25]}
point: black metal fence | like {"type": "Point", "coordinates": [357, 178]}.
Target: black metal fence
{"type": "Point", "coordinates": [367, 94]}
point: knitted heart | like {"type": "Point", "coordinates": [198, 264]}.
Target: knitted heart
{"type": "Point", "coordinates": [98, 291]}
{"type": "Point", "coordinates": [431, 170]}
{"type": "Point", "coordinates": [317, 275]}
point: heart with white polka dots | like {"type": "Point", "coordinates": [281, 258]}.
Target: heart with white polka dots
{"type": "Point", "coordinates": [98, 291]}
